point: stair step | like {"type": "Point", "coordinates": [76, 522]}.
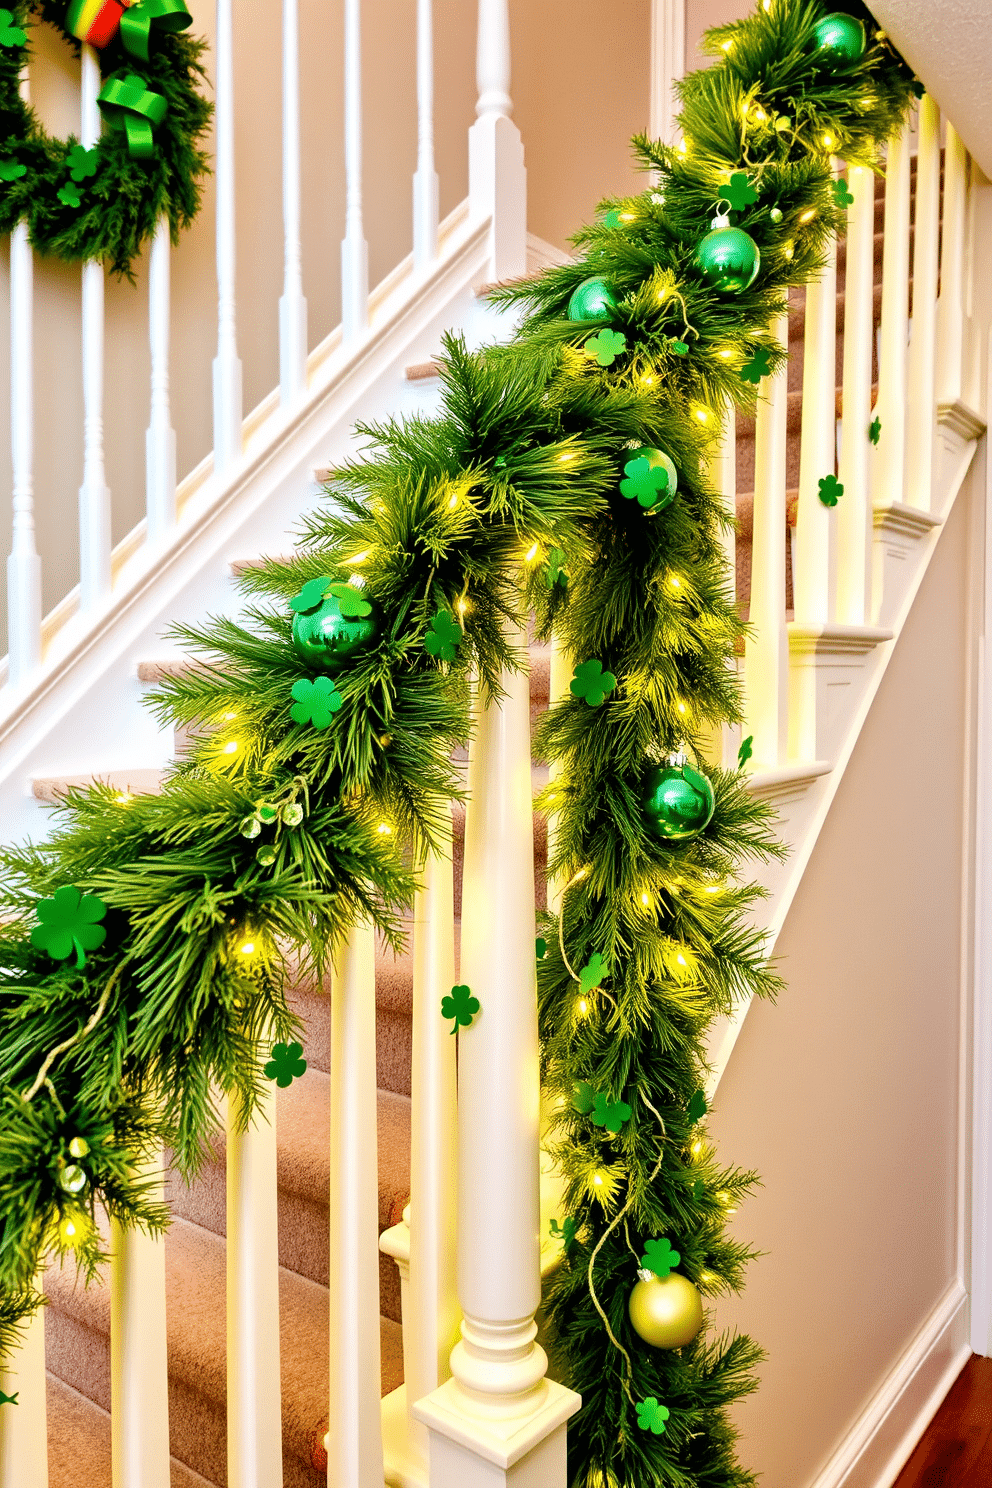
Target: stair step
{"type": "Point", "coordinates": [77, 1334]}
{"type": "Point", "coordinates": [423, 371]}
{"type": "Point", "coordinates": [79, 1444]}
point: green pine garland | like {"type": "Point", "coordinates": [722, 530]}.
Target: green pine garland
{"type": "Point", "coordinates": [104, 205]}
{"type": "Point", "coordinates": [265, 845]}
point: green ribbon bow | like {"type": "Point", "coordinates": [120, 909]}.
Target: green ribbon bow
{"type": "Point", "coordinates": [129, 104]}
{"type": "Point", "coordinates": [138, 20]}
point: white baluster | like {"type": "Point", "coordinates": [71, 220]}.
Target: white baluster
{"type": "Point", "coordinates": [853, 512]}
{"type": "Point", "coordinates": [425, 184]}
{"type": "Point", "coordinates": [24, 1426]}
{"type": "Point", "coordinates": [292, 305]}
{"type": "Point", "coordinates": [160, 439]}
{"type": "Point", "coordinates": [889, 458]}
{"type": "Point", "coordinates": [497, 179]}
{"type": "Point", "coordinates": [561, 676]}
{"type": "Point", "coordinates": [667, 66]}
{"type": "Point", "coordinates": [24, 564]}
{"type": "Point", "coordinates": [951, 308]}
{"type": "Point", "coordinates": [254, 1411]}
{"type": "Point", "coordinates": [228, 396]}
{"type": "Point", "coordinates": [354, 1436]}
{"type": "Point", "coordinates": [94, 495]}
{"type": "Point", "coordinates": [139, 1367]}
{"type": "Point", "coordinates": [921, 406]}
{"type": "Point", "coordinates": [354, 249]}
{"type": "Point", "coordinates": [499, 1407]}
{"type": "Point", "coordinates": [766, 654]}
{"type": "Point", "coordinates": [811, 580]}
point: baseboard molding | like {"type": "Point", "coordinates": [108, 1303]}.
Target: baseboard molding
{"type": "Point", "coordinates": [881, 1441]}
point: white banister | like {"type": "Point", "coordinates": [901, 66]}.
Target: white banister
{"type": "Point", "coordinates": [139, 1368]}
{"type": "Point", "coordinates": [254, 1407]}
{"type": "Point", "coordinates": [951, 309]}
{"type": "Point", "coordinates": [766, 654]}
{"type": "Point", "coordinates": [425, 183]}
{"type": "Point", "coordinates": [889, 458]}
{"type": "Point", "coordinates": [24, 1426]}
{"type": "Point", "coordinates": [292, 305]}
{"type": "Point", "coordinates": [23, 564]}
{"type": "Point", "coordinates": [354, 248]}
{"type": "Point", "coordinates": [354, 1434]}
{"type": "Point", "coordinates": [94, 495]}
{"type": "Point", "coordinates": [160, 439]}
{"type": "Point", "coordinates": [228, 394]}
{"type": "Point", "coordinates": [811, 579]}
{"type": "Point", "coordinates": [853, 512]}
{"type": "Point", "coordinates": [499, 1408]}
{"type": "Point", "coordinates": [921, 397]}
{"type": "Point", "coordinates": [497, 178]}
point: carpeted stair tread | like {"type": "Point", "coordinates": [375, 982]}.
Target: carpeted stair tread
{"type": "Point", "coordinates": [79, 1444]}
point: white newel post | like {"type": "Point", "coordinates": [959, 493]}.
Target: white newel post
{"type": "Point", "coordinates": [24, 1426]}
{"type": "Point", "coordinates": [94, 494]}
{"type": "Point", "coordinates": [425, 183]}
{"type": "Point", "coordinates": [139, 1365]}
{"type": "Point", "coordinates": [497, 178]}
{"type": "Point", "coordinates": [160, 437]}
{"type": "Point", "coordinates": [228, 395]}
{"type": "Point", "coordinates": [354, 248]}
{"type": "Point", "coordinates": [499, 1421]}
{"type": "Point", "coordinates": [292, 305]}
{"type": "Point", "coordinates": [354, 1433]}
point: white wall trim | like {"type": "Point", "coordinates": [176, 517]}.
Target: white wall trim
{"type": "Point", "coordinates": [667, 66]}
{"type": "Point", "coordinates": [883, 1438]}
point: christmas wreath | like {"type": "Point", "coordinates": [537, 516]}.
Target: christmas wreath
{"type": "Point", "coordinates": [104, 202]}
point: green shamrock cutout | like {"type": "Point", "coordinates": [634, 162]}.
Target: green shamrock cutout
{"type": "Point", "coordinates": [565, 1233]}
{"type": "Point", "coordinates": [697, 1106]}
{"type": "Point", "coordinates": [286, 1064]}
{"type": "Point", "coordinates": [9, 1399]}
{"type": "Point", "coordinates": [541, 947]}
{"type": "Point", "coordinates": [651, 1416]}
{"type": "Point", "coordinates": [831, 490]}
{"type": "Point", "coordinates": [745, 752]}
{"type": "Point", "coordinates": [443, 636]}
{"type": "Point", "coordinates": [316, 702]}
{"type": "Point", "coordinates": [644, 482]}
{"type": "Point", "coordinates": [874, 430]}
{"type": "Point", "coordinates": [83, 162]}
{"type": "Point", "coordinates": [350, 601]}
{"type": "Point", "coordinates": [612, 218]}
{"type": "Point", "coordinates": [593, 973]}
{"type": "Point", "coordinates": [758, 367]}
{"type": "Point", "coordinates": [591, 683]}
{"type": "Point", "coordinates": [738, 192]}
{"type": "Point", "coordinates": [659, 1257]}
{"type": "Point", "coordinates": [69, 922]}
{"type": "Point", "coordinates": [605, 347]}
{"type": "Point", "coordinates": [842, 197]}
{"type": "Point", "coordinates": [10, 35]}
{"type": "Point", "coordinates": [611, 1114]}
{"type": "Point", "coordinates": [680, 348]}
{"type": "Point", "coordinates": [311, 596]}
{"type": "Point", "coordinates": [556, 573]}
{"type": "Point", "coordinates": [461, 1006]}
{"type": "Point", "coordinates": [584, 1098]}
{"type": "Point", "coordinates": [69, 195]}
{"type": "Point", "coordinates": [11, 171]}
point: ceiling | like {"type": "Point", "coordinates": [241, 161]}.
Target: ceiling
{"type": "Point", "coordinates": [949, 44]}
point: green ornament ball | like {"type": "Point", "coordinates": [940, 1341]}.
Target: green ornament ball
{"type": "Point", "coordinates": [656, 457]}
{"type": "Point", "coordinates": [729, 259]}
{"type": "Point", "coordinates": [328, 639]}
{"type": "Point", "coordinates": [842, 36]}
{"type": "Point", "coordinates": [667, 1312]}
{"type": "Point", "coordinates": [593, 300]}
{"type": "Point", "coordinates": [678, 802]}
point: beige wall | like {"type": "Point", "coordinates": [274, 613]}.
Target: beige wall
{"type": "Point", "coordinates": [845, 1096]}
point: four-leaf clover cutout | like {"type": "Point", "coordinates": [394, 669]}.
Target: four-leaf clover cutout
{"type": "Point", "coordinates": [651, 1416]}
{"type": "Point", "coordinates": [285, 1064]}
{"type": "Point", "coordinates": [593, 973]}
{"type": "Point", "coordinates": [874, 430]}
{"type": "Point", "coordinates": [738, 192]}
{"type": "Point", "coordinates": [69, 195]}
{"type": "Point", "coordinates": [461, 1006]}
{"type": "Point", "coordinates": [610, 1114]}
{"type": "Point", "coordinates": [10, 170]}
{"type": "Point", "coordinates": [745, 752]}
{"type": "Point", "coordinates": [758, 367]}
{"type": "Point", "coordinates": [644, 482]}
{"type": "Point", "coordinates": [443, 636]}
{"type": "Point", "coordinates": [83, 162]}
{"type": "Point", "coordinates": [591, 683]}
{"type": "Point", "coordinates": [10, 35]}
{"type": "Point", "coordinates": [659, 1257]}
{"type": "Point", "coordinates": [842, 197]}
{"type": "Point", "coordinates": [68, 922]}
{"type": "Point", "coordinates": [316, 702]}
{"type": "Point", "coordinates": [831, 490]}
{"type": "Point", "coordinates": [605, 347]}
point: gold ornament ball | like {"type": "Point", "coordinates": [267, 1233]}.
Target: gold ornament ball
{"type": "Point", "coordinates": [666, 1313]}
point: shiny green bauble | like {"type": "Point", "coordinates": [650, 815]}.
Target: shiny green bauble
{"type": "Point", "coordinates": [678, 802]}
{"type": "Point", "coordinates": [843, 36]}
{"type": "Point", "coordinates": [327, 639]}
{"type": "Point", "coordinates": [593, 300]}
{"type": "Point", "coordinates": [654, 458]}
{"type": "Point", "coordinates": [729, 259]}
{"type": "Point", "coordinates": [667, 1312]}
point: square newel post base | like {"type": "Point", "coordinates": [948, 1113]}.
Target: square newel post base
{"type": "Point", "coordinates": [525, 1450]}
